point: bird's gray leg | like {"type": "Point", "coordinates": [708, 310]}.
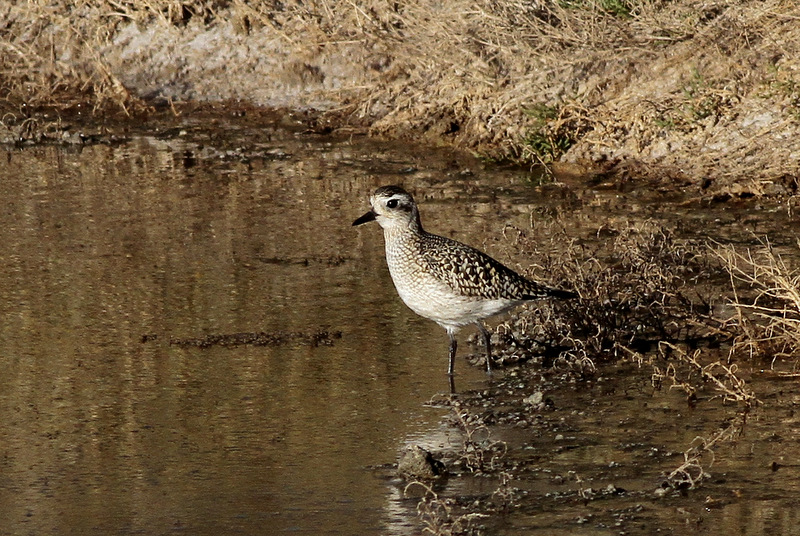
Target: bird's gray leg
{"type": "Point", "coordinates": [453, 346]}
{"type": "Point", "coordinates": [487, 340]}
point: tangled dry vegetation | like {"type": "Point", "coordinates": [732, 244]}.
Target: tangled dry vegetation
{"type": "Point", "coordinates": [647, 297]}
{"type": "Point", "coordinates": [766, 301]}
{"type": "Point", "coordinates": [699, 92]}
{"type": "Point", "coordinates": [637, 286]}
{"type": "Point", "coordinates": [643, 290]}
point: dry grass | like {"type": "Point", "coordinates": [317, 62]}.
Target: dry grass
{"type": "Point", "coordinates": [478, 452]}
{"type": "Point", "coordinates": [686, 372]}
{"type": "Point", "coordinates": [619, 79]}
{"type": "Point", "coordinates": [48, 56]}
{"type": "Point", "coordinates": [642, 290]}
{"type": "Point", "coordinates": [766, 301]}
{"type": "Point", "coordinates": [438, 514]}
{"type": "Point", "coordinates": [636, 287]}
{"type": "Point", "coordinates": [699, 457]}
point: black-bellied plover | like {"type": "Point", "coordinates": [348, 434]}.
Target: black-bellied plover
{"type": "Point", "coordinates": [444, 280]}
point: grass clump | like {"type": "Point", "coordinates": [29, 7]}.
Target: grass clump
{"type": "Point", "coordinates": [439, 516]}
{"type": "Point", "coordinates": [766, 301]}
{"type": "Point", "coordinates": [722, 377]}
{"type": "Point", "coordinates": [478, 452]}
{"type": "Point", "coordinates": [699, 457]}
{"type": "Point", "coordinates": [552, 131]}
{"type": "Point", "coordinates": [635, 292]}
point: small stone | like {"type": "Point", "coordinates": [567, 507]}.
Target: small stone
{"type": "Point", "coordinates": [535, 399]}
{"type": "Point", "coordinates": [417, 463]}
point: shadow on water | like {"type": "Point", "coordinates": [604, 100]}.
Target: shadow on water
{"type": "Point", "coordinates": [194, 338]}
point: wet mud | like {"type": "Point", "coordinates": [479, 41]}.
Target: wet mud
{"type": "Point", "coordinates": [601, 455]}
{"type": "Point", "coordinates": [194, 338]}
{"type": "Point", "coordinates": [261, 338]}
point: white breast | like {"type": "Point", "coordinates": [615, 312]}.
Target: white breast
{"type": "Point", "coordinates": [431, 298]}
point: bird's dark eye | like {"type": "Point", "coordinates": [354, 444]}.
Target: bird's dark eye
{"type": "Point", "coordinates": [392, 203]}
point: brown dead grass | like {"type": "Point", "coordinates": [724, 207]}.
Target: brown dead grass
{"type": "Point", "coordinates": [685, 371]}
{"type": "Point", "coordinates": [699, 458]}
{"type": "Point", "coordinates": [766, 301]}
{"type": "Point", "coordinates": [49, 55]}
{"type": "Point", "coordinates": [637, 287]}
{"type": "Point", "coordinates": [699, 89]}
{"type": "Point", "coordinates": [441, 516]}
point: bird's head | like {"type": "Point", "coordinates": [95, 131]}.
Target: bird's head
{"type": "Point", "coordinates": [392, 208]}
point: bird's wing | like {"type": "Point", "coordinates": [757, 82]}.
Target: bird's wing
{"type": "Point", "coordinates": [471, 272]}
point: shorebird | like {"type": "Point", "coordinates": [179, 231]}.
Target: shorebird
{"type": "Point", "coordinates": [444, 280]}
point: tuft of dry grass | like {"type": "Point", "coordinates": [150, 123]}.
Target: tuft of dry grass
{"type": "Point", "coordinates": [766, 301]}
{"type": "Point", "coordinates": [636, 289]}
{"type": "Point", "coordinates": [438, 514]}
{"type": "Point", "coordinates": [699, 457]}
{"type": "Point", "coordinates": [478, 452]}
{"type": "Point", "coordinates": [723, 378]}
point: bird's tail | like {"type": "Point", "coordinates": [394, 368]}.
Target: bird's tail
{"type": "Point", "coordinates": [539, 292]}
{"type": "Point", "coordinates": [562, 294]}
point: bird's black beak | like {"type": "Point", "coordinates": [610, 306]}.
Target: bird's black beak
{"type": "Point", "coordinates": [368, 217]}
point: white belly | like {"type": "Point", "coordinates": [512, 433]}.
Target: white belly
{"type": "Point", "coordinates": [433, 299]}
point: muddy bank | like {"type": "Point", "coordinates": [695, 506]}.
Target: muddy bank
{"type": "Point", "coordinates": [692, 95]}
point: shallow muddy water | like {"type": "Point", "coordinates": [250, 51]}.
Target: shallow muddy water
{"type": "Point", "coordinates": [113, 253]}
{"type": "Point", "coordinates": [126, 264]}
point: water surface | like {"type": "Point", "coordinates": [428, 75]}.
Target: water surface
{"type": "Point", "coordinates": [112, 255]}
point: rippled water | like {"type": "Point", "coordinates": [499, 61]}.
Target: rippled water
{"type": "Point", "coordinates": [111, 252]}
{"type": "Point", "coordinates": [111, 255]}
